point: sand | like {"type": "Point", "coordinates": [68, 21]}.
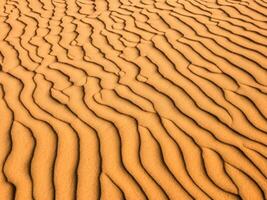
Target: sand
{"type": "Point", "coordinates": [133, 99]}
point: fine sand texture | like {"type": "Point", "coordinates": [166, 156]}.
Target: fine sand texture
{"type": "Point", "coordinates": [133, 99]}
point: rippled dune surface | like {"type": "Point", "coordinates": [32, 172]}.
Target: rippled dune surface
{"type": "Point", "coordinates": [133, 99]}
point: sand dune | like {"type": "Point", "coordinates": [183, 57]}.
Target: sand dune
{"type": "Point", "coordinates": [133, 99]}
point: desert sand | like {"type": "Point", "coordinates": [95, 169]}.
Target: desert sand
{"type": "Point", "coordinates": [133, 99]}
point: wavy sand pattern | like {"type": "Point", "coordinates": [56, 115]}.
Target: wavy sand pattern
{"type": "Point", "coordinates": [133, 99]}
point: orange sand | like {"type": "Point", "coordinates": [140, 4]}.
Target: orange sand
{"type": "Point", "coordinates": [133, 99]}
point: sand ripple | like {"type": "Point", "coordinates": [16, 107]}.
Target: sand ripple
{"type": "Point", "coordinates": [133, 99]}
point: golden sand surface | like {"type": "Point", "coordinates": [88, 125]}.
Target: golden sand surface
{"type": "Point", "coordinates": [133, 99]}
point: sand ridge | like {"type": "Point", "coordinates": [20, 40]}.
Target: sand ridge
{"type": "Point", "coordinates": [133, 99]}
